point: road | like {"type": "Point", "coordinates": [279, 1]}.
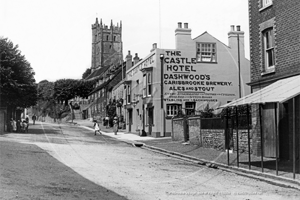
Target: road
{"type": "Point", "coordinates": [123, 171]}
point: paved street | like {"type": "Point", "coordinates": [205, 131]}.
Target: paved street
{"type": "Point", "coordinates": [116, 168]}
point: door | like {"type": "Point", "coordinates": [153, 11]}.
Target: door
{"type": "Point", "coordinates": [269, 130]}
{"type": "Point", "coordinates": [150, 118]}
{"type": "Point", "coordinates": [129, 119]}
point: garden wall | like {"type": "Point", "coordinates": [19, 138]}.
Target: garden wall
{"type": "Point", "coordinates": [209, 134]}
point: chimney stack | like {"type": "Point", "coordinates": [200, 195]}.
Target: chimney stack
{"type": "Point", "coordinates": [182, 35]}
{"type": "Point", "coordinates": [234, 36]}
{"type": "Point", "coordinates": [136, 59]}
{"type": "Point", "coordinates": [154, 46]}
{"type": "Point", "coordinates": [128, 61]}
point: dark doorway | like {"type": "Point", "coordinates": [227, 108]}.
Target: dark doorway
{"type": "Point", "coordinates": [269, 130]}
{"type": "Point", "coordinates": [129, 119]}
{"type": "Point", "coordinates": [284, 132]}
{"type": "Point", "coordinates": [150, 118]}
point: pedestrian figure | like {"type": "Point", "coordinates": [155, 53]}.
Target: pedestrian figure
{"type": "Point", "coordinates": [96, 127]}
{"type": "Point", "coordinates": [18, 126]}
{"type": "Point", "coordinates": [107, 121]}
{"type": "Point", "coordinates": [27, 118]}
{"type": "Point", "coordinates": [116, 124]}
{"type": "Point", "coordinates": [33, 119]}
{"type": "Point", "coordinates": [14, 125]}
{"type": "Point", "coordinates": [24, 126]}
{"type": "Point", "coordinates": [11, 125]}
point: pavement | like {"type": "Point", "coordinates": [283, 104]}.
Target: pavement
{"type": "Point", "coordinates": [205, 156]}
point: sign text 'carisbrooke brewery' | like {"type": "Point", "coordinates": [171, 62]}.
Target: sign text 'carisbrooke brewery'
{"type": "Point", "coordinates": [185, 82]}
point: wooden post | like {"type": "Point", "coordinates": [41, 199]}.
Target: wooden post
{"type": "Point", "coordinates": [237, 136]}
{"type": "Point", "coordinates": [294, 138]}
{"type": "Point", "coordinates": [261, 139]}
{"type": "Point", "coordinates": [248, 127]}
{"type": "Point", "coordinates": [227, 132]}
{"type": "Point", "coordinates": [277, 134]}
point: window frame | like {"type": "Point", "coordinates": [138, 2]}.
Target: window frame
{"type": "Point", "coordinates": [144, 84]}
{"type": "Point", "coordinates": [190, 108]}
{"type": "Point", "coordinates": [149, 84]}
{"type": "Point", "coordinates": [263, 28]}
{"type": "Point", "coordinates": [173, 109]}
{"type": "Point", "coordinates": [128, 94]}
{"type": "Point", "coordinates": [268, 48]}
{"type": "Point", "coordinates": [213, 50]}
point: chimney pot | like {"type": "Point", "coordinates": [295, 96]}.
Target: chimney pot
{"type": "Point", "coordinates": [154, 45]}
{"type": "Point", "coordinates": [186, 25]}
{"type": "Point", "coordinates": [232, 28]}
{"type": "Point", "coordinates": [179, 25]}
{"type": "Point", "coordinates": [238, 28]}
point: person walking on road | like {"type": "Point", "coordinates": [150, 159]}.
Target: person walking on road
{"type": "Point", "coordinates": [116, 125]}
{"type": "Point", "coordinates": [107, 121]}
{"type": "Point", "coordinates": [33, 119]}
{"type": "Point", "coordinates": [14, 125]}
{"type": "Point", "coordinates": [97, 128]}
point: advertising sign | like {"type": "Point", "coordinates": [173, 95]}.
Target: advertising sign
{"type": "Point", "coordinates": [185, 80]}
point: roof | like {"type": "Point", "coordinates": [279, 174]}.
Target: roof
{"type": "Point", "coordinates": [97, 72]}
{"type": "Point", "coordinates": [100, 87]}
{"type": "Point", "coordinates": [278, 92]}
{"type": "Point", "coordinates": [116, 79]}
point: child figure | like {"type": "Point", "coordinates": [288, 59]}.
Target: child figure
{"type": "Point", "coordinates": [116, 125]}
{"type": "Point", "coordinates": [96, 127]}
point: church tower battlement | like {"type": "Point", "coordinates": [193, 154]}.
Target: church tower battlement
{"type": "Point", "coordinates": [107, 46]}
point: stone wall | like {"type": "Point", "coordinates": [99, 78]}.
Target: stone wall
{"type": "Point", "coordinates": [243, 141]}
{"type": "Point", "coordinates": [210, 138]}
{"type": "Point", "coordinates": [194, 130]}
{"type": "Point", "coordinates": [177, 129]}
{"type": "Point", "coordinates": [213, 138]}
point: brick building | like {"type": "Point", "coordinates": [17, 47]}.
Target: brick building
{"type": "Point", "coordinates": [275, 78]}
{"type": "Point", "coordinates": [274, 55]}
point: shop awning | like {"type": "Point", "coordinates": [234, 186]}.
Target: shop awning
{"type": "Point", "coordinates": [278, 92]}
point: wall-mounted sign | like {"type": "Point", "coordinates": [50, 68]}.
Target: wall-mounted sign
{"type": "Point", "coordinates": [184, 80]}
{"type": "Point", "coordinates": [144, 64]}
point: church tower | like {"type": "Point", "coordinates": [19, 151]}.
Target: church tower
{"type": "Point", "coordinates": [107, 46]}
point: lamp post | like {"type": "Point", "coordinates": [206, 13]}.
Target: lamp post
{"type": "Point", "coordinates": [162, 95]}
{"type": "Point", "coordinates": [238, 28]}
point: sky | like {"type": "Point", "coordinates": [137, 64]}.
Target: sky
{"type": "Point", "coordinates": [55, 36]}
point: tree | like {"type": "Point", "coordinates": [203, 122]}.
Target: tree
{"type": "Point", "coordinates": [45, 90]}
{"type": "Point", "coordinates": [64, 89]}
{"type": "Point", "coordinates": [84, 87]}
{"type": "Point", "coordinates": [87, 72]}
{"type": "Point", "coordinates": [18, 88]}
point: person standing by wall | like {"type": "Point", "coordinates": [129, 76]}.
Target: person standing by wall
{"type": "Point", "coordinates": [27, 119]}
